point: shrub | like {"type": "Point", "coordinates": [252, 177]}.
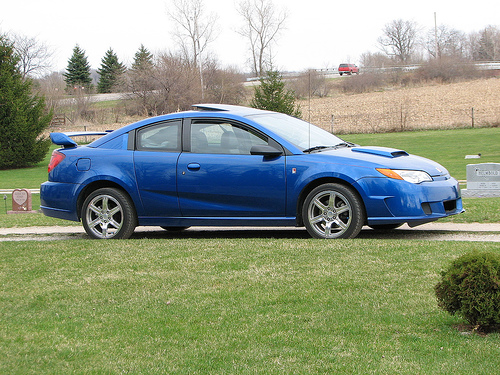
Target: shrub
{"type": "Point", "coordinates": [362, 83]}
{"type": "Point", "coordinates": [445, 70]}
{"type": "Point", "coordinates": [470, 288]}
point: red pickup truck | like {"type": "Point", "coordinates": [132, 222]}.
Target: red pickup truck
{"type": "Point", "coordinates": [348, 69]}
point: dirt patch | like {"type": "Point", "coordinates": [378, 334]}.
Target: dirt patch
{"type": "Point", "coordinates": [468, 329]}
{"type": "Point", "coordinates": [426, 107]}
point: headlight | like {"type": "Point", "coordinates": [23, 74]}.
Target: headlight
{"type": "Point", "coordinates": [415, 177]}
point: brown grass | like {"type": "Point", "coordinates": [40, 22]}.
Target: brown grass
{"type": "Point", "coordinates": [427, 107]}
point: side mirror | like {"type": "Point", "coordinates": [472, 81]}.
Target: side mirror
{"type": "Point", "coordinates": [265, 150]}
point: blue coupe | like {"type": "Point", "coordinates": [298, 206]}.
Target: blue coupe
{"type": "Point", "coordinates": [222, 165]}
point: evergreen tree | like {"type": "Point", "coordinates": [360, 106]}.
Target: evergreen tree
{"type": "Point", "coordinates": [272, 95]}
{"type": "Point", "coordinates": [78, 71]}
{"type": "Point", "coordinates": [110, 71]}
{"type": "Point", "coordinates": [143, 59]}
{"type": "Point", "coordinates": [22, 115]}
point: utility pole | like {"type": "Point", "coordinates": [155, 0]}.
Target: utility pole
{"type": "Point", "coordinates": [436, 35]}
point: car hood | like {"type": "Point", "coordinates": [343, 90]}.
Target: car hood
{"type": "Point", "coordinates": [383, 157]}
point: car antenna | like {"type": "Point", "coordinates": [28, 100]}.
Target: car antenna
{"type": "Point", "coordinates": [309, 111]}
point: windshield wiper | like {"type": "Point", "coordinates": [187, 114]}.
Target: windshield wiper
{"type": "Point", "coordinates": [345, 144]}
{"type": "Point", "coordinates": [316, 148]}
{"type": "Point", "coordinates": [339, 145]}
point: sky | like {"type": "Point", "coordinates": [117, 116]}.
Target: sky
{"type": "Point", "coordinates": [319, 34]}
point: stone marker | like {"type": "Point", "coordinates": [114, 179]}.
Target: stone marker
{"type": "Point", "coordinates": [483, 180]}
{"type": "Point", "coordinates": [21, 202]}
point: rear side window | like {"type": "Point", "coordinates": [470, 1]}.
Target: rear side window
{"type": "Point", "coordinates": [160, 137]}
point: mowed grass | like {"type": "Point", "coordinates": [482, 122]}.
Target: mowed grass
{"type": "Point", "coordinates": [26, 178]}
{"type": "Point", "coordinates": [447, 147]}
{"type": "Point", "coordinates": [233, 306]}
{"type": "Point", "coordinates": [239, 305]}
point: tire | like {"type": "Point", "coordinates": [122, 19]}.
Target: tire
{"type": "Point", "coordinates": [385, 227]}
{"type": "Point", "coordinates": [333, 211]}
{"type": "Point", "coordinates": [108, 213]}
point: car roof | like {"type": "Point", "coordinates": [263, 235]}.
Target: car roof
{"type": "Point", "coordinates": [216, 110]}
{"type": "Point", "coordinates": [235, 109]}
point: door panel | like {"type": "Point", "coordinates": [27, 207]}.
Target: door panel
{"type": "Point", "coordinates": [158, 148]}
{"type": "Point", "coordinates": [219, 177]}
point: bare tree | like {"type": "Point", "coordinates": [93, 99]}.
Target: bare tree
{"type": "Point", "coordinates": [487, 45]}
{"type": "Point", "coordinates": [262, 24]}
{"type": "Point", "coordinates": [374, 60]}
{"type": "Point", "coordinates": [194, 31]}
{"type": "Point", "coordinates": [310, 83]}
{"type": "Point", "coordinates": [446, 42]}
{"type": "Point", "coordinates": [399, 40]}
{"type": "Point", "coordinates": [34, 56]}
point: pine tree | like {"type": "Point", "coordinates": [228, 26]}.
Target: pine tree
{"type": "Point", "coordinates": [143, 59]}
{"type": "Point", "coordinates": [272, 95]}
{"type": "Point", "coordinates": [110, 71]}
{"type": "Point", "coordinates": [23, 117]}
{"type": "Point", "coordinates": [78, 70]}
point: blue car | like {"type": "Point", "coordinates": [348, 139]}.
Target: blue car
{"type": "Point", "coordinates": [222, 165]}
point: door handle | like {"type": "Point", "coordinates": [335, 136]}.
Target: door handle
{"type": "Point", "coordinates": [194, 166]}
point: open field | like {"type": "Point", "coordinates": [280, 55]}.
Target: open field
{"type": "Point", "coordinates": [434, 106]}
{"type": "Point", "coordinates": [427, 107]}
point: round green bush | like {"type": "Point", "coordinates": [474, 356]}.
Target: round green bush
{"type": "Point", "coordinates": [470, 288]}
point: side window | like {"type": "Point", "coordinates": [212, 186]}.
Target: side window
{"type": "Point", "coordinates": [209, 137]}
{"type": "Point", "coordinates": [160, 137]}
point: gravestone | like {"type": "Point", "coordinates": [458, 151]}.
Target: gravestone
{"type": "Point", "coordinates": [483, 180]}
{"type": "Point", "coordinates": [21, 202]}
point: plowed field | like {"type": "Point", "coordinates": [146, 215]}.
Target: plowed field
{"type": "Point", "coordinates": [426, 107]}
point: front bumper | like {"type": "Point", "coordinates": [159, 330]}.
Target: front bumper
{"type": "Point", "coordinates": [390, 201]}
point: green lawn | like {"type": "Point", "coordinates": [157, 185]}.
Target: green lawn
{"type": "Point", "coordinates": [26, 178]}
{"type": "Point", "coordinates": [447, 147]}
{"type": "Point", "coordinates": [241, 305]}
{"type": "Point", "coordinates": [233, 306]}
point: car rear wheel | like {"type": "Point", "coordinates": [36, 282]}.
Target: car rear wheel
{"type": "Point", "coordinates": [108, 213]}
{"type": "Point", "coordinates": [333, 211]}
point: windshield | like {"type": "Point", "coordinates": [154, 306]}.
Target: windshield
{"type": "Point", "coordinates": [298, 132]}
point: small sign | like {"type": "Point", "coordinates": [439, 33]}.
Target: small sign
{"type": "Point", "coordinates": [21, 202]}
{"type": "Point", "coordinates": [484, 176]}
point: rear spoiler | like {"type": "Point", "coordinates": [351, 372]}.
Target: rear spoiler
{"type": "Point", "coordinates": [63, 139]}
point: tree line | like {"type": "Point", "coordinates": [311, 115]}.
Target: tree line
{"type": "Point", "coordinates": [405, 42]}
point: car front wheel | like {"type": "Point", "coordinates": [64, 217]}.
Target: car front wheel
{"type": "Point", "coordinates": [333, 211]}
{"type": "Point", "coordinates": [108, 213]}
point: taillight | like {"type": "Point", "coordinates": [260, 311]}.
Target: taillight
{"type": "Point", "coordinates": [55, 159]}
